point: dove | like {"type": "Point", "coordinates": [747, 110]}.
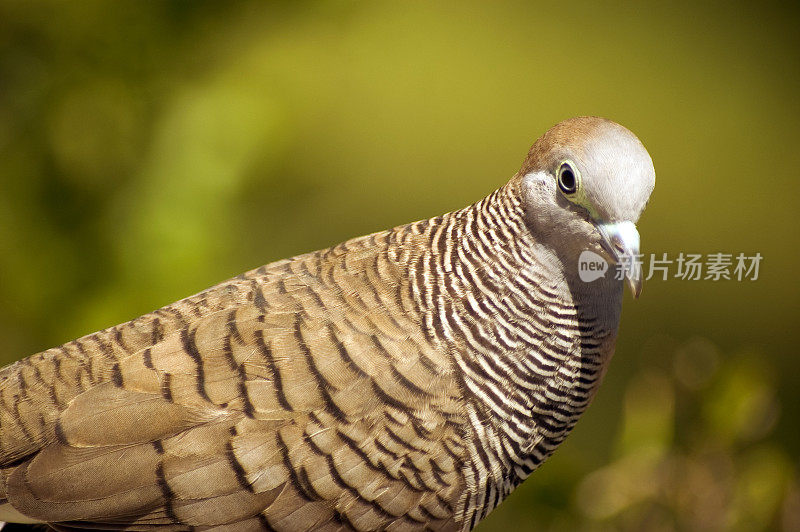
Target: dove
{"type": "Point", "coordinates": [405, 380]}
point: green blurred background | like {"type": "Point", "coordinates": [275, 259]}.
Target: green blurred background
{"type": "Point", "coordinates": [151, 149]}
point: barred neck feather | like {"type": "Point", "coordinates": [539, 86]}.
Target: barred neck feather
{"type": "Point", "coordinates": [528, 342]}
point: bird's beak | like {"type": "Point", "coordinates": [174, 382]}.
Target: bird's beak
{"type": "Point", "coordinates": [621, 242]}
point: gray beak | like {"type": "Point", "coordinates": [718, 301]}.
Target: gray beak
{"type": "Point", "coordinates": [621, 242]}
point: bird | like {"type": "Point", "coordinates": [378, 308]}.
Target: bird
{"type": "Point", "coordinates": [409, 379]}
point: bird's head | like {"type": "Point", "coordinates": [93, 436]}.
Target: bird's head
{"type": "Point", "coordinates": [585, 183]}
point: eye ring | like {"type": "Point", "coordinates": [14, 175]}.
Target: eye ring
{"type": "Point", "coordinates": [568, 178]}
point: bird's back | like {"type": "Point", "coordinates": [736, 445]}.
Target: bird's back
{"type": "Point", "coordinates": [302, 395]}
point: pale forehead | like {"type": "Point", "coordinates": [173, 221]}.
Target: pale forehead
{"type": "Point", "coordinates": [617, 172]}
{"type": "Point", "coordinates": [607, 144]}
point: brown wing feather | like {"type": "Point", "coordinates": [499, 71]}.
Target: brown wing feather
{"type": "Point", "coordinates": [298, 397]}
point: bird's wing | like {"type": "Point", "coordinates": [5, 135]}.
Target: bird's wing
{"type": "Point", "coordinates": [307, 405]}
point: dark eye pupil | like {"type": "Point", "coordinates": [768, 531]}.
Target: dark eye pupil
{"type": "Point", "coordinates": [566, 180]}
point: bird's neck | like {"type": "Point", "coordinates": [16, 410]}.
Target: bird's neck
{"type": "Point", "coordinates": [530, 344]}
{"type": "Point", "coordinates": [484, 265]}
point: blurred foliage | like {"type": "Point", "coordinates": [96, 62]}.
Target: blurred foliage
{"type": "Point", "coordinates": [150, 149]}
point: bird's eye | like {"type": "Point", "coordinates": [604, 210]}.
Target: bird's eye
{"type": "Point", "coordinates": [567, 178]}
